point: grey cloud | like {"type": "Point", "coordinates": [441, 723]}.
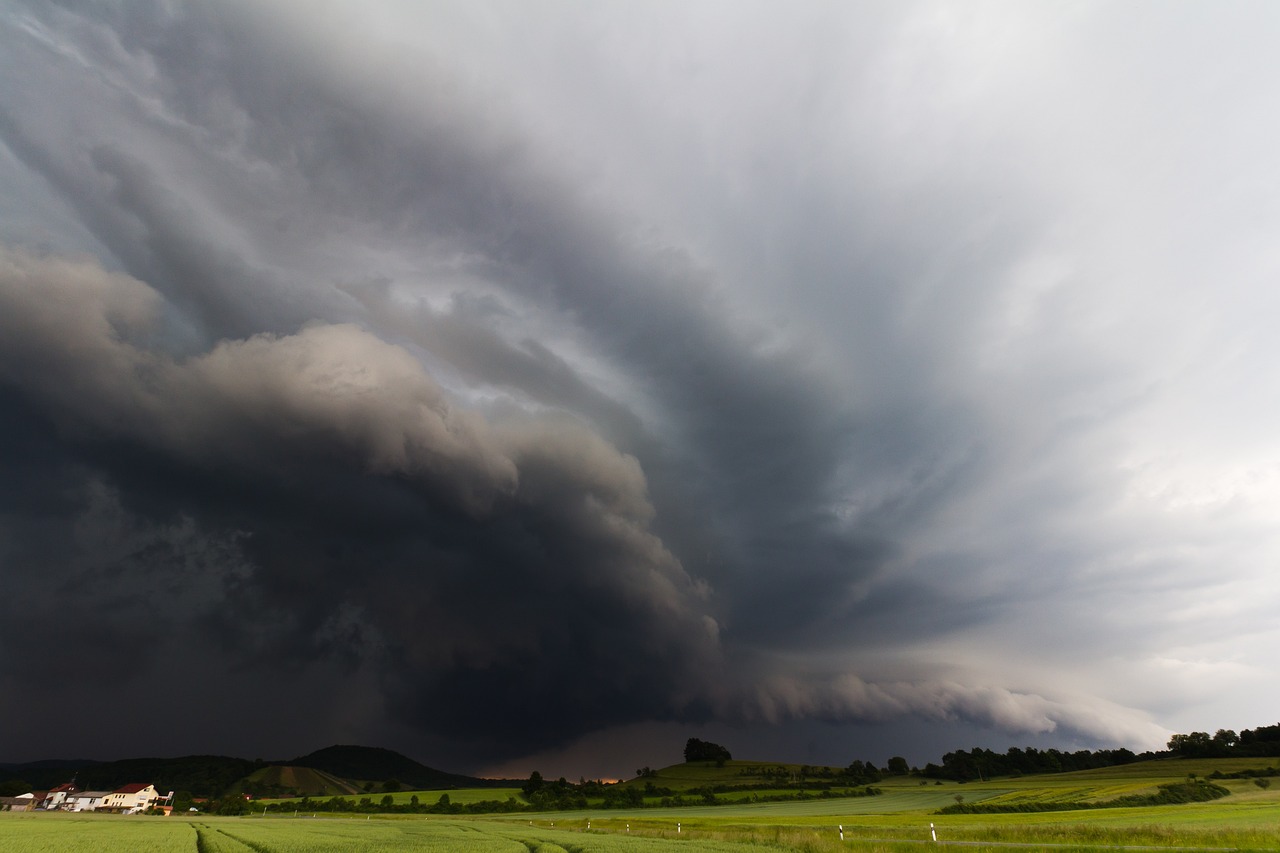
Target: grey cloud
{"type": "Point", "coordinates": [845, 327]}
{"type": "Point", "coordinates": [1017, 712]}
{"type": "Point", "coordinates": [540, 511]}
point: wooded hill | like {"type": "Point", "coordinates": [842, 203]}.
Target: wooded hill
{"type": "Point", "coordinates": [356, 768]}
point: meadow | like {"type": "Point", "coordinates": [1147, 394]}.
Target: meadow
{"type": "Point", "coordinates": [463, 796]}
{"type": "Point", "coordinates": [901, 819]}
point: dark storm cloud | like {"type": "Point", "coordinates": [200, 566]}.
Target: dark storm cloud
{"type": "Point", "coordinates": [479, 566]}
{"type": "Point", "coordinates": [757, 432]}
{"type": "Point", "coordinates": [618, 367]}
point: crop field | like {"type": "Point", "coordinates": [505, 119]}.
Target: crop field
{"type": "Point", "coordinates": [1241, 826]}
{"type": "Point", "coordinates": [111, 834]}
{"type": "Point", "coordinates": [683, 777]}
{"type": "Point", "coordinates": [456, 795]}
{"type": "Point", "coordinates": [901, 819]}
{"type": "Point", "coordinates": [460, 795]}
{"type": "Point", "coordinates": [1202, 827]}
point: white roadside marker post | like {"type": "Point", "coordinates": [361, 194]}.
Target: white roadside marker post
{"type": "Point", "coordinates": [841, 826]}
{"type": "Point", "coordinates": [933, 832]}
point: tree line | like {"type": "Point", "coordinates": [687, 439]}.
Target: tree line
{"type": "Point", "coordinates": [978, 763]}
{"type": "Point", "coordinates": [1261, 742]}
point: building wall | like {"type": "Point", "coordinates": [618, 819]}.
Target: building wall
{"type": "Point", "coordinates": [81, 803]}
{"type": "Point", "coordinates": [135, 800]}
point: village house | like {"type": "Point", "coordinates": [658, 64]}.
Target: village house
{"type": "Point", "coordinates": [131, 799]}
{"type": "Point", "coordinates": [20, 803]}
{"type": "Point", "coordinates": [84, 801]}
{"type": "Point", "coordinates": [57, 798]}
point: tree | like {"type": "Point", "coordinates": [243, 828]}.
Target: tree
{"type": "Point", "coordinates": [701, 750]}
{"type": "Point", "coordinates": [862, 772]}
{"type": "Point", "coordinates": [231, 804]}
{"type": "Point", "coordinates": [14, 788]}
{"type": "Point", "coordinates": [534, 785]}
{"type": "Point", "coordinates": [1224, 740]}
{"type": "Point", "coordinates": [1194, 745]}
{"type": "Point", "coordinates": [898, 766]}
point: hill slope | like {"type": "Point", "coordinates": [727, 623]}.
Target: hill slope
{"type": "Point", "coordinates": [290, 781]}
{"type": "Point", "coordinates": [202, 775]}
{"type": "Point", "coordinates": [367, 763]}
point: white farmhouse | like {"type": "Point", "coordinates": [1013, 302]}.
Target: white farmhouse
{"type": "Point", "coordinates": [84, 801]}
{"type": "Point", "coordinates": [57, 798]}
{"type": "Point", "coordinates": [130, 799]}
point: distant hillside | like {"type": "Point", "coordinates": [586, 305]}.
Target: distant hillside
{"type": "Point", "coordinates": [214, 775]}
{"type": "Point", "coordinates": [367, 763]}
{"type": "Point", "coordinates": [289, 781]}
{"type": "Point", "coordinates": [202, 775]}
{"type": "Point", "coordinates": [44, 774]}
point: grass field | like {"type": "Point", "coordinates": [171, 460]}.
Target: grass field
{"type": "Point", "coordinates": [684, 777]}
{"type": "Point", "coordinates": [456, 795]}
{"type": "Point", "coordinates": [897, 821]}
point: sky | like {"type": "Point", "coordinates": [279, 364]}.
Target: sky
{"type": "Point", "coordinates": [538, 385]}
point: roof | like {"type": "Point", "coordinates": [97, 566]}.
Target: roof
{"type": "Point", "coordinates": [65, 786]}
{"type": "Point", "coordinates": [132, 788]}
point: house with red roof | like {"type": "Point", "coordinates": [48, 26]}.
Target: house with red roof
{"type": "Point", "coordinates": [130, 799]}
{"type": "Point", "coordinates": [57, 797]}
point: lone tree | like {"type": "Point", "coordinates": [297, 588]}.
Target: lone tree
{"type": "Point", "coordinates": [701, 750]}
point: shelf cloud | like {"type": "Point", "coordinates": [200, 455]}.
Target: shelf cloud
{"type": "Point", "coordinates": [498, 383]}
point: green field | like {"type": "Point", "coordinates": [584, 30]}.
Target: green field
{"type": "Point", "coordinates": [684, 777]}
{"type": "Point", "coordinates": [898, 820]}
{"type": "Point", "coordinates": [456, 795]}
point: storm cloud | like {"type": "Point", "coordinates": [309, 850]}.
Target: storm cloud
{"type": "Point", "coordinates": [492, 378]}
